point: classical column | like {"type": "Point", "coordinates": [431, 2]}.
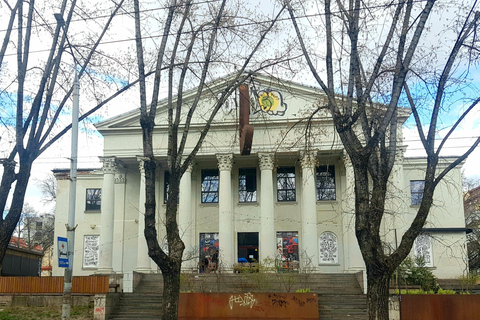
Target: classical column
{"type": "Point", "coordinates": [107, 216]}
{"type": "Point", "coordinates": [119, 221]}
{"type": "Point", "coordinates": [309, 235]}
{"type": "Point", "coordinates": [225, 220]}
{"type": "Point", "coordinates": [267, 218]}
{"type": "Point", "coordinates": [352, 255]}
{"type": "Point", "coordinates": [185, 219]}
{"type": "Point", "coordinates": [143, 260]}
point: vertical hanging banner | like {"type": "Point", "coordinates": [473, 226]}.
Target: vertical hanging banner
{"type": "Point", "coordinates": [62, 252]}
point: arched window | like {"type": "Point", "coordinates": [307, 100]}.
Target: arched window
{"type": "Point", "coordinates": [328, 245]}
{"type": "Point", "coordinates": [423, 248]}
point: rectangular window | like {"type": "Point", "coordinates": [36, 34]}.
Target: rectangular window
{"type": "Point", "coordinates": [210, 186]}
{"type": "Point", "coordinates": [91, 246]}
{"type": "Point", "coordinates": [286, 184]}
{"type": "Point", "coordinates": [326, 183]}
{"type": "Point", "coordinates": [247, 185]}
{"type": "Point", "coordinates": [94, 200]}
{"type": "Point", "coordinates": [416, 191]}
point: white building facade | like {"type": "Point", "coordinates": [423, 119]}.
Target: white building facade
{"type": "Point", "coordinates": [290, 200]}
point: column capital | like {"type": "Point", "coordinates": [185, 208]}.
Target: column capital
{"type": "Point", "coordinates": [109, 164]}
{"type": "Point", "coordinates": [225, 162]}
{"type": "Point", "coordinates": [141, 161]}
{"type": "Point", "coordinates": [120, 178]}
{"type": "Point", "coordinates": [308, 159]}
{"type": "Point", "coordinates": [266, 160]}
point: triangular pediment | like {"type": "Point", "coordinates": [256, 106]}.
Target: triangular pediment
{"type": "Point", "coordinates": [271, 99]}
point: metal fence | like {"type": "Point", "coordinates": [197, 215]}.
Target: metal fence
{"type": "Point", "coordinates": [439, 307]}
{"type": "Point", "coordinates": [87, 285]}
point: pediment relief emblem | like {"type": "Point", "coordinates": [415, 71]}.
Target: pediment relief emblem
{"type": "Point", "coordinates": [269, 101]}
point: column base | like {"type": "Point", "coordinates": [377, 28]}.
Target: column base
{"type": "Point", "coordinates": [144, 270]}
{"type": "Point", "coordinates": [105, 271]}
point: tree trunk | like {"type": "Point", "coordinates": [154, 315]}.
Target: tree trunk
{"type": "Point", "coordinates": [378, 284]}
{"type": "Point", "coordinates": [7, 226]}
{"type": "Point", "coordinates": [171, 291]}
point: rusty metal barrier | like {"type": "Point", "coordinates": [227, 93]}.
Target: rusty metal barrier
{"type": "Point", "coordinates": [248, 306]}
{"type": "Point", "coordinates": [439, 307]}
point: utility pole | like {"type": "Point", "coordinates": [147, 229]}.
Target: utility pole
{"type": "Point", "coordinates": [68, 275]}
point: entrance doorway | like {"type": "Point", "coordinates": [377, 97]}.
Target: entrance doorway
{"type": "Point", "coordinates": [247, 246]}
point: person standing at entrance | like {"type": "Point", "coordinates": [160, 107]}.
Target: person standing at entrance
{"type": "Point", "coordinates": [215, 260]}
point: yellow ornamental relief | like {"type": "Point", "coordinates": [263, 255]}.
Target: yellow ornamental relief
{"type": "Point", "coordinates": [268, 101]}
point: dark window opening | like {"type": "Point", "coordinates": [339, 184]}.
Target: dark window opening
{"type": "Point", "coordinates": [247, 246]}
{"type": "Point", "coordinates": [416, 191]}
{"type": "Point", "coordinates": [94, 199]}
{"type": "Point", "coordinates": [326, 183]}
{"type": "Point", "coordinates": [210, 186]}
{"type": "Point", "coordinates": [286, 184]}
{"type": "Point", "coordinates": [247, 185]}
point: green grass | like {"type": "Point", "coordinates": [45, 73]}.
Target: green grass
{"type": "Point", "coordinates": [44, 313]}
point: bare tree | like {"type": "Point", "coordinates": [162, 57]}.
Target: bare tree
{"type": "Point", "coordinates": [48, 188]}
{"type": "Point", "coordinates": [196, 45]}
{"type": "Point", "coordinates": [23, 230]}
{"type": "Point", "coordinates": [372, 76]}
{"type": "Point", "coordinates": [42, 87]}
{"type": "Point", "coordinates": [35, 230]}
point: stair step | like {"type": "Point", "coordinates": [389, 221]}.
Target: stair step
{"type": "Point", "coordinates": [339, 295]}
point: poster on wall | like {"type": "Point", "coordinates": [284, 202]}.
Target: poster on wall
{"type": "Point", "coordinates": [287, 246]}
{"type": "Point", "coordinates": [208, 245]}
{"type": "Point", "coordinates": [91, 246]}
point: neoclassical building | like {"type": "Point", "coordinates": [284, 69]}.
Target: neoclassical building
{"type": "Point", "coordinates": [289, 200]}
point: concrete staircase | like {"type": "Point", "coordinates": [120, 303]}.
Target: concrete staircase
{"type": "Point", "coordinates": [339, 295]}
{"type": "Point", "coordinates": [342, 307]}
{"type": "Point", "coordinates": [145, 303]}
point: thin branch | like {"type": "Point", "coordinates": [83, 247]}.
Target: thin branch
{"type": "Point", "coordinates": [91, 111]}
{"type": "Point", "coordinates": [418, 121]}
{"type": "Point", "coordinates": [6, 39]}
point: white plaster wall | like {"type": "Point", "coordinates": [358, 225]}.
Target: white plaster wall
{"type": "Point", "coordinates": [88, 223]}
{"type": "Point", "coordinates": [447, 208]}
{"type": "Point", "coordinates": [449, 252]}
{"type": "Point", "coordinates": [449, 255]}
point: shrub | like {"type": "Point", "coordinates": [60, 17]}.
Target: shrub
{"type": "Point", "coordinates": [468, 281]}
{"type": "Point", "coordinates": [414, 272]}
{"type": "Point", "coordinates": [306, 290]}
{"type": "Point", "coordinates": [414, 291]}
{"type": "Point", "coordinates": [441, 291]}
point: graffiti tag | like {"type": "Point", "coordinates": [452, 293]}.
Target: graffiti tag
{"type": "Point", "coordinates": [245, 301]}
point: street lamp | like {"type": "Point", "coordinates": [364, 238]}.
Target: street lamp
{"type": "Point", "coordinates": [67, 280]}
